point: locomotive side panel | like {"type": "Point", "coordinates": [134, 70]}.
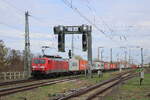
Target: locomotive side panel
{"type": "Point", "coordinates": [59, 66]}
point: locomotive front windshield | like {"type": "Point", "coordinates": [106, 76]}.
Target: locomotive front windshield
{"type": "Point", "coordinates": [39, 61]}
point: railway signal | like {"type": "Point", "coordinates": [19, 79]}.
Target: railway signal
{"type": "Point", "coordinates": [61, 37]}
{"type": "Point", "coordinates": [61, 42]}
{"type": "Point", "coordinates": [84, 42]}
{"type": "Point", "coordinates": [70, 54]}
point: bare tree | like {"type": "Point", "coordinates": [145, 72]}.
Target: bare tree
{"type": "Point", "coordinates": [10, 59]}
{"type": "Point", "coordinates": [3, 55]}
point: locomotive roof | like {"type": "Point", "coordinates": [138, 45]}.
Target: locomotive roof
{"type": "Point", "coordinates": [58, 58]}
{"type": "Point", "coordinates": [51, 56]}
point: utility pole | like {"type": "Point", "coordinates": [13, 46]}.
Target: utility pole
{"type": "Point", "coordinates": [129, 56]}
{"type": "Point", "coordinates": [27, 59]}
{"type": "Point", "coordinates": [142, 60]}
{"type": "Point", "coordinates": [125, 58]}
{"type": "Point", "coordinates": [99, 53]}
{"type": "Point", "coordinates": [72, 45]}
{"type": "Point", "coordinates": [90, 53]}
{"type": "Point", "coordinates": [110, 55]}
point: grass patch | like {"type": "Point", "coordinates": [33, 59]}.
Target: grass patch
{"type": "Point", "coordinates": [45, 92]}
{"type": "Point", "coordinates": [133, 91]}
{"type": "Point", "coordinates": [96, 79]}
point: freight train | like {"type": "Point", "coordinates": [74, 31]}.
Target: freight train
{"type": "Point", "coordinates": [55, 65]}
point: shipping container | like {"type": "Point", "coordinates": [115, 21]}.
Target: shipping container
{"type": "Point", "coordinates": [106, 66]}
{"type": "Point", "coordinates": [83, 64]}
{"type": "Point", "coordinates": [98, 65]}
{"type": "Point", "coordinates": [134, 66]}
{"type": "Point", "coordinates": [122, 66]}
{"type": "Point", "coordinates": [73, 65]}
{"type": "Point", "coordinates": [113, 66]}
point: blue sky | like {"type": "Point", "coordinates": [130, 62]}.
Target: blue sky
{"type": "Point", "coordinates": [117, 18]}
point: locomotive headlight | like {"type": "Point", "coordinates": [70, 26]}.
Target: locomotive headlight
{"type": "Point", "coordinates": [42, 66]}
{"type": "Point", "coordinates": [33, 66]}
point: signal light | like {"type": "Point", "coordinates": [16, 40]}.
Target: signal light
{"type": "Point", "coordinates": [58, 29]}
{"type": "Point", "coordinates": [84, 42]}
{"type": "Point", "coordinates": [61, 42]}
{"type": "Point", "coordinates": [69, 54]}
{"type": "Point", "coordinates": [85, 28]}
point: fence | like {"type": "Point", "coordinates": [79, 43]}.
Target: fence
{"type": "Point", "coordinates": [12, 75]}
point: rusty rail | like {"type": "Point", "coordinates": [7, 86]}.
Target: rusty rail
{"type": "Point", "coordinates": [16, 82]}
{"type": "Point", "coordinates": [80, 92]}
{"type": "Point", "coordinates": [7, 91]}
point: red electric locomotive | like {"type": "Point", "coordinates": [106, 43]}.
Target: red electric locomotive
{"type": "Point", "coordinates": [48, 65]}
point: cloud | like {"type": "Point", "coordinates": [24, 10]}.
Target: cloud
{"type": "Point", "coordinates": [144, 23]}
{"type": "Point", "coordinates": [11, 33]}
{"type": "Point", "coordinates": [47, 13]}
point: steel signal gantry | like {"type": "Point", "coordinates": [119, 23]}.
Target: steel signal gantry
{"type": "Point", "coordinates": [85, 30]}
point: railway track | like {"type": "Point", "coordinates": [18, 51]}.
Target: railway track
{"type": "Point", "coordinates": [92, 92]}
{"type": "Point", "coordinates": [24, 87]}
{"type": "Point", "coordinates": [3, 84]}
{"type": "Point", "coordinates": [16, 82]}
{"type": "Point", "coordinates": [11, 90]}
{"type": "Point", "coordinates": [22, 81]}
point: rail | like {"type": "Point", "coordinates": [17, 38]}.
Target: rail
{"type": "Point", "coordinates": [88, 92]}
{"type": "Point", "coordinates": [11, 90]}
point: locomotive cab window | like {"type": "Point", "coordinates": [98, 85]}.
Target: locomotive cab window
{"type": "Point", "coordinates": [39, 61]}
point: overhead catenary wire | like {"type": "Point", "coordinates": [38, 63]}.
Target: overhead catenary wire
{"type": "Point", "coordinates": [84, 17]}
{"type": "Point", "coordinates": [19, 11]}
{"type": "Point", "coordinates": [121, 37]}
{"type": "Point", "coordinates": [70, 4]}
{"type": "Point", "coordinates": [93, 10]}
{"type": "Point", "coordinates": [10, 26]}
{"type": "Point", "coordinates": [66, 2]}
